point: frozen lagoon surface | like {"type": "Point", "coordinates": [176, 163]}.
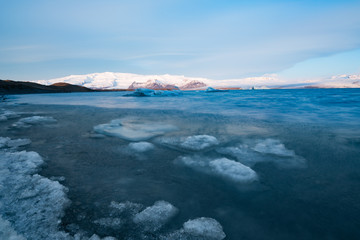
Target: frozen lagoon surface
{"type": "Point", "coordinates": [264, 164]}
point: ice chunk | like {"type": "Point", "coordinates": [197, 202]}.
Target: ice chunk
{"type": "Point", "coordinates": [223, 167]}
{"type": "Point", "coordinates": [7, 142]}
{"type": "Point", "coordinates": [133, 130]}
{"type": "Point", "coordinates": [154, 217]}
{"type": "Point", "coordinates": [232, 170]}
{"type": "Point", "coordinates": [96, 237]}
{"type": "Point", "coordinates": [5, 115]}
{"type": "Point", "coordinates": [114, 223]}
{"type": "Point", "coordinates": [36, 203]}
{"type": "Point", "coordinates": [145, 92]}
{"type": "Point", "coordinates": [273, 146]}
{"type": "Point", "coordinates": [141, 146]}
{"type": "Point", "coordinates": [210, 89]}
{"type": "Point", "coordinates": [198, 229]}
{"type": "Point", "coordinates": [126, 208]}
{"type": "Point", "coordinates": [204, 227]}
{"type": "Point", "coordinates": [34, 120]}
{"type": "Point", "coordinates": [194, 143]}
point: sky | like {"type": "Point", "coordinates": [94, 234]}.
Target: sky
{"type": "Point", "coordinates": [297, 40]}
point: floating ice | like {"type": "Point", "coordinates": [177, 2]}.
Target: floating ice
{"type": "Point", "coordinates": [34, 120]}
{"type": "Point", "coordinates": [5, 115]}
{"type": "Point", "coordinates": [210, 89]}
{"type": "Point", "coordinates": [7, 142]}
{"type": "Point", "coordinates": [194, 143]}
{"type": "Point", "coordinates": [268, 150]}
{"type": "Point", "coordinates": [273, 146]}
{"type": "Point", "coordinates": [232, 170]}
{"type": "Point", "coordinates": [145, 92]}
{"type": "Point", "coordinates": [133, 130]}
{"type": "Point", "coordinates": [222, 167]}
{"type": "Point", "coordinates": [141, 146]}
{"type": "Point", "coordinates": [126, 208]}
{"type": "Point", "coordinates": [96, 237]}
{"type": "Point", "coordinates": [36, 203]}
{"type": "Point", "coordinates": [114, 223]}
{"type": "Point", "coordinates": [154, 217]}
{"type": "Point", "coordinates": [199, 229]}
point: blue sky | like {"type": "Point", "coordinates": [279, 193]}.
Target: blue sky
{"type": "Point", "coordinates": [43, 39]}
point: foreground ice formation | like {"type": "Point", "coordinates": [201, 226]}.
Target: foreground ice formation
{"type": "Point", "coordinates": [133, 130]}
{"type": "Point", "coordinates": [267, 150]}
{"type": "Point", "coordinates": [34, 120]}
{"type": "Point", "coordinates": [154, 217]}
{"type": "Point", "coordinates": [32, 203]}
{"type": "Point", "coordinates": [221, 167]}
{"type": "Point", "coordinates": [7, 142]}
{"type": "Point", "coordinates": [194, 143]}
{"type": "Point", "coordinates": [145, 92]}
{"type": "Point", "coordinates": [141, 146]}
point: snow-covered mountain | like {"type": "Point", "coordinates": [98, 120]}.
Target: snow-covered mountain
{"type": "Point", "coordinates": [110, 80]}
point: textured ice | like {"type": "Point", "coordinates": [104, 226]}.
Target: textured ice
{"type": "Point", "coordinates": [31, 203]}
{"type": "Point", "coordinates": [114, 223]}
{"type": "Point", "coordinates": [5, 115]}
{"type": "Point", "coordinates": [133, 130]}
{"type": "Point", "coordinates": [126, 208]}
{"type": "Point", "coordinates": [141, 146]}
{"type": "Point", "coordinates": [232, 170]}
{"type": "Point", "coordinates": [154, 217]}
{"type": "Point", "coordinates": [7, 232]}
{"type": "Point", "coordinates": [145, 92]}
{"type": "Point", "coordinates": [268, 150]}
{"type": "Point", "coordinates": [34, 120]}
{"type": "Point", "coordinates": [7, 142]}
{"type": "Point", "coordinates": [273, 146]}
{"type": "Point", "coordinates": [194, 143]}
{"type": "Point", "coordinates": [96, 237]}
{"type": "Point", "coordinates": [222, 167]}
{"type": "Point", "coordinates": [199, 229]}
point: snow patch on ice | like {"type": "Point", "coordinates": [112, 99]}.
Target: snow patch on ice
{"type": "Point", "coordinates": [222, 167]}
{"type": "Point", "coordinates": [133, 130]}
{"type": "Point", "coordinates": [34, 120]}
{"type": "Point", "coordinates": [141, 146]}
{"type": "Point", "coordinates": [154, 217]}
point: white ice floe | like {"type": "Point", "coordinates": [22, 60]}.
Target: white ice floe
{"type": "Point", "coordinates": [268, 150]}
{"type": "Point", "coordinates": [133, 130]}
{"type": "Point", "coordinates": [221, 167]}
{"type": "Point", "coordinates": [154, 217]}
{"type": "Point", "coordinates": [34, 120]}
{"type": "Point", "coordinates": [199, 229]}
{"type": "Point", "coordinates": [145, 92]}
{"type": "Point", "coordinates": [7, 142]}
{"type": "Point", "coordinates": [193, 143]}
{"type": "Point", "coordinates": [5, 115]}
{"type": "Point", "coordinates": [141, 146]}
{"type": "Point", "coordinates": [36, 203]}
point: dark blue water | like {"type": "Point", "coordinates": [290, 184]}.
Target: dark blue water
{"type": "Point", "coordinates": [303, 145]}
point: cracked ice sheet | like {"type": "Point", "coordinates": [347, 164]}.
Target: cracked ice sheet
{"type": "Point", "coordinates": [133, 130]}
{"type": "Point", "coordinates": [221, 167]}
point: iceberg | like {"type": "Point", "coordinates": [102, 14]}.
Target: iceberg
{"type": "Point", "coordinates": [154, 217]}
{"type": "Point", "coordinates": [141, 146]}
{"type": "Point", "coordinates": [133, 130]}
{"type": "Point", "coordinates": [211, 90]}
{"type": "Point", "coordinates": [145, 92]}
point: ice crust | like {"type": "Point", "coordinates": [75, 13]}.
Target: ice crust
{"type": "Point", "coordinates": [221, 167]}
{"type": "Point", "coordinates": [193, 143]}
{"type": "Point", "coordinates": [34, 120]}
{"type": "Point", "coordinates": [141, 146]}
{"type": "Point", "coordinates": [266, 150]}
{"type": "Point", "coordinates": [133, 130]}
{"type": "Point", "coordinates": [154, 217]}
{"type": "Point", "coordinates": [145, 92]}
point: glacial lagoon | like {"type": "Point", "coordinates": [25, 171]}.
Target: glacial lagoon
{"type": "Point", "coordinates": [263, 164]}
